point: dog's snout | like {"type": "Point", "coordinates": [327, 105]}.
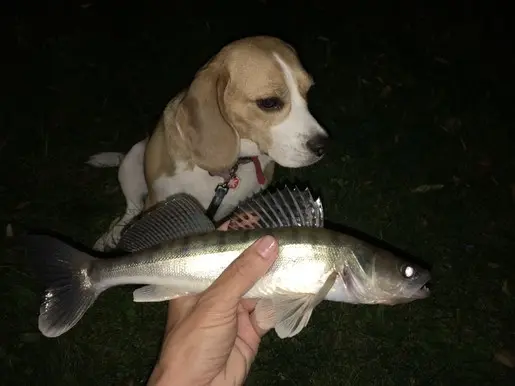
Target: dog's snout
{"type": "Point", "coordinates": [317, 145]}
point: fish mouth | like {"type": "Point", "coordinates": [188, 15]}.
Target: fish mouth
{"type": "Point", "coordinates": [423, 292]}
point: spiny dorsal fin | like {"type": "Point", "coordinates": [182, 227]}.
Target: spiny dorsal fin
{"type": "Point", "coordinates": [178, 216]}
{"type": "Point", "coordinates": [283, 208]}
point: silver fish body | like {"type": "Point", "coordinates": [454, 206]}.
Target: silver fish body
{"type": "Point", "coordinates": [191, 264]}
{"type": "Point", "coordinates": [314, 264]}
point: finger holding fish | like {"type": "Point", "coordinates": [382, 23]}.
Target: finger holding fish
{"type": "Point", "coordinates": [243, 273]}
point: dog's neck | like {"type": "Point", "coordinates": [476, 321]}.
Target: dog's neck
{"type": "Point", "coordinates": [231, 181]}
{"type": "Point", "coordinates": [248, 148]}
{"type": "Point", "coordinates": [249, 152]}
{"type": "Point", "coordinates": [229, 173]}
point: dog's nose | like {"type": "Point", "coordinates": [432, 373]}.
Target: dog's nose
{"type": "Point", "coordinates": [317, 144]}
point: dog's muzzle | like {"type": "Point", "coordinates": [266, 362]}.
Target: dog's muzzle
{"type": "Point", "coordinates": [317, 145]}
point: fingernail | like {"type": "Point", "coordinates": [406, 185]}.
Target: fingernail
{"type": "Point", "coordinates": [267, 247]}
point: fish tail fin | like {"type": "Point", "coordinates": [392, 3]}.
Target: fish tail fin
{"type": "Point", "coordinates": [69, 289]}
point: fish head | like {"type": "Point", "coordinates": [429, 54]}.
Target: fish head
{"type": "Point", "coordinates": [381, 277]}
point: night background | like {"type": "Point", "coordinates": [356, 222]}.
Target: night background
{"type": "Point", "coordinates": [417, 97]}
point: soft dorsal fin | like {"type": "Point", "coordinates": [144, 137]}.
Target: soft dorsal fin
{"type": "Point", "coordinates": [283, 208]}
{"type": "Point", "coordinates": [178, 216]}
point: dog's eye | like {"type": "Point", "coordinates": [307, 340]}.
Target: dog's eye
{"type": "Point", "coordinates": [268, 104]}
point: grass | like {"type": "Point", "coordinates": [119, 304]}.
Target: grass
{"type": "Point", "coordinates": [411, 95]}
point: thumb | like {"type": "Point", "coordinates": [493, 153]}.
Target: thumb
{"type": "Point", "coordinates": [241, 275]}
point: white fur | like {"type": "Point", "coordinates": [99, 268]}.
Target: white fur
{"type": "Point", "coordinates": [196, 182]}
{"type": "Point", "coordinates": [131, 176]}
{"type": "Point", "coordinates": [201, 185]}
{"type": "Point", "coordinates": [248, 148]}
{"type": "Point", "coordinates": [289, 138]}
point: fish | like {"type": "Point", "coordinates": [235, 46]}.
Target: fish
{"type": "Point", "coordinates": [183, 255]}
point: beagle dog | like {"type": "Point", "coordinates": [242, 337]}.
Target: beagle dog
{"type": "Point", "coordinates": [219, 140]}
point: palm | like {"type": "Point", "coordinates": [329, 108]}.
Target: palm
{"type": "Point", "coordinates": [243, 350]}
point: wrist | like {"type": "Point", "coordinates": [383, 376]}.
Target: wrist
{"type": "Point", "coordinates": [164, 375]}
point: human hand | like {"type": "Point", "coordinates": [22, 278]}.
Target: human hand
{"type": "Point", "coordinates": [213, 337]}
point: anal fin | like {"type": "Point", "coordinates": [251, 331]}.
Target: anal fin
{"type": "Point", "coordinates": [156, 293]}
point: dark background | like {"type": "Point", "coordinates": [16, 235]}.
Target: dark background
{"type": "Point", "coordinates": [413, 93]}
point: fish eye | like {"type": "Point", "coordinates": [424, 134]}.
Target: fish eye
{"type": "Point", "coordinates": [408, 272]}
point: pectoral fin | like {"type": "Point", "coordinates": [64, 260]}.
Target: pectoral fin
{"type": "Point", "coordinates": [156, 293]}
{"type": "Point", "coordinates": [290, 313]}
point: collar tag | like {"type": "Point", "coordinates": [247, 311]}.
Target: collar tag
{"type": "Point", "coordinates": [233, 183]}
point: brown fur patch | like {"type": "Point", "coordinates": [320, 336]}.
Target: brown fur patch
{"type": "Point", "coordinates": [213, 142]}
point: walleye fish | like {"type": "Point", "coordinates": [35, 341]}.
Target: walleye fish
{"type": "Point", "coordinates": [314, 263]}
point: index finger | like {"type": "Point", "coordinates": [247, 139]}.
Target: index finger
{"type": "Point", "coordinates": [241, 275]}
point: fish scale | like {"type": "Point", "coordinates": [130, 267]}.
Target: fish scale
{"type": "Point", "coordinates": [314, 263]}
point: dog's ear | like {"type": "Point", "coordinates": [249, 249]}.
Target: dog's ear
{"type": "Point", "coordinates": [202, 121]}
